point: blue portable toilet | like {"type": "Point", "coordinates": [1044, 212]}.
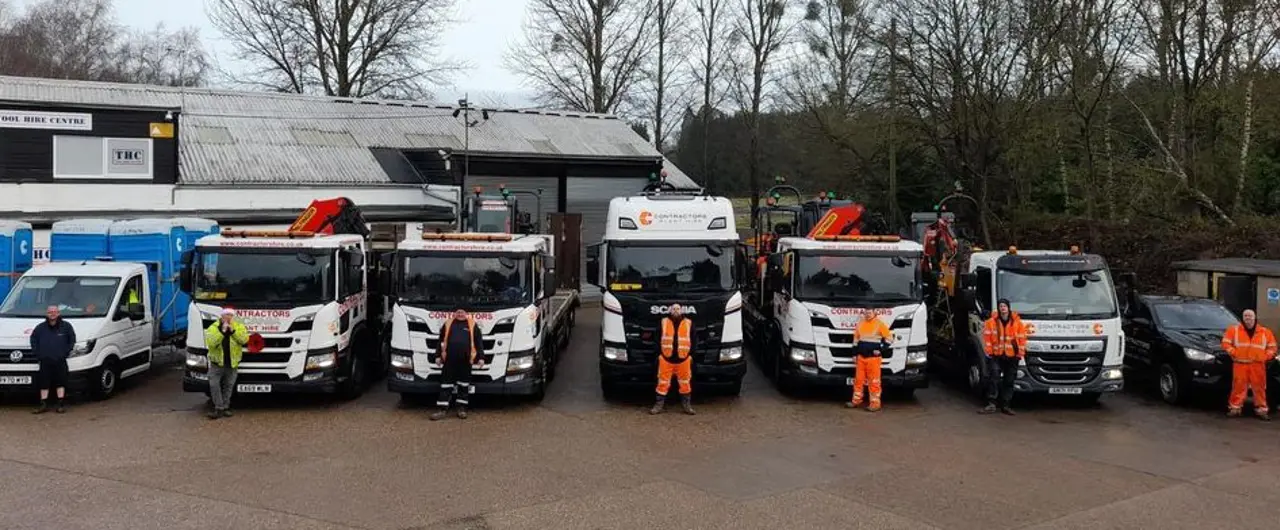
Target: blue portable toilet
{"type": "Point", "coordinates": [15, 253]}
{"type": "Point", "coordinates": [196, 228]}
{"type": "Point", "coordinates": [80, 239]}
{"type": "Point", "coordinates": [159, 243]}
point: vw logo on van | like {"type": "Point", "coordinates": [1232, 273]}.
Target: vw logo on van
{"type": "Point", "coordinates": [15, 356]}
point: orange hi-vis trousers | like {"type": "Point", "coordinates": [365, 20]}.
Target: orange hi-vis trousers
{"type": "Point", "coordinates": [683, 371]}
{"type": "Point", "coordinates": [867, 374]}
{"type": "Point", "coordinates": [1245, 376]}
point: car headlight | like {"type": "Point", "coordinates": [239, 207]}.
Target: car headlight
{"type": "Point", "coordinates": [519, 364]}
{"type": "Point", "coordinates": [730, 354]}
{"type": "Point", "coordinates": [917, 357]}
{"type": "Point", "coordinates": [83, 348]}
{"type": "Point", "coordinates": [197, 360]}
{"type": "Point", "coordinates": [1112, 373]}
{"type": "Point", "coordinates": [402, 361]}
{"type": "Point", "coordinates": [615, 354]}
{"type": "Point", "coordinates": [322, 361]}
{"type": "Point", "coordinates": [1198, 355]}
{"type": "Point", "coordinates": [802, 356]}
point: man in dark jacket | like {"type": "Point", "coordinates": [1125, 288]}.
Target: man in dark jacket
{"type": "Point", "coordinates": [461, 346]}
{"type": "Point", "coordinates": [52, 342]}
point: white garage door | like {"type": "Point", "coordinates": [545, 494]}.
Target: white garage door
{"type": "Point", "coordinates": [590, 196]}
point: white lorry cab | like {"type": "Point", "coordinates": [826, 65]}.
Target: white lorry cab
{"type": "Point", "coordinates": [661, 249]}
{"type": "Point", "coordinates": [1067, 300]}
{"type": "Point", "coordinates": [506, 283]}
{"type": "Point", "coordinates": [115, 338]}
{"type": "Point", "coordinates": [815, 293]}
{"type": "Point", "coordinates": [303, 298]}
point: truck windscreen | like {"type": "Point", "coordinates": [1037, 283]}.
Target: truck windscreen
{"type": "Point", "coordinates": [1058, 295]}
{"type": "Point", "coordinates": [688, 268]}
{"type": "Point", "coordinates": [438, 280]}
{"type": "Point", "coordinates": [263, 279]}
{"type": "Point", "coordinates": [492, 217]}
{"type": "Point", "coordinates": [75, 296]}
{"type": "Point", "coordinates": [859, 279]}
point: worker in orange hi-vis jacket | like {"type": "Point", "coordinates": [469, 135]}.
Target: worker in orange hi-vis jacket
{"type": "Point", "coordinates": [676, 346]}
{"type": "Point", "coordinates": [1251, 347]}
{"type": "Point", "coordinates": [1004, 340]}
{"type": "Point", "coordinates": [871, 337]}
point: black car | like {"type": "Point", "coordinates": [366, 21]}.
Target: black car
{"type": "Point", "coordinates": [1178, 340]}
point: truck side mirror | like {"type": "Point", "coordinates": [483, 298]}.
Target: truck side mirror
{"type": "Point", "coordinates": [549, 285]}
{"type": "Point", "coordinates": [593, 264]}
{"type": "Point", "coordinates": [969, 279]}
{"type": "Point", "coordinates": [184, 275]}
{"type": "Point", "coordinates": [137, 312]}
{"type": "Point", "coordinates": [357, 258]}
{"type": "Point", "coordinates": [970, 296]}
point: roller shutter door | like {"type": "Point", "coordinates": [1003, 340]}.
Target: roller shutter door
{"type": "Point", "coordinates": [590, 197]}
{"type": "Point", "coordinates": [550, 192]}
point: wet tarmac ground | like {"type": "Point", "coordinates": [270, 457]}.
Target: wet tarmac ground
{"type": "Point", "coordinates": [149, 459]}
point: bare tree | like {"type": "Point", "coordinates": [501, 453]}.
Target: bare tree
{"type": "Point", "coordinates": [347, 48]}
{"type": "Point", "coordinates": [762, 26]}
{"type": "Point", "coordinates": [710, 66]}
{"type": "Point", "coordinates": [835, 71]}
{"type": "Point", "coordinates": [669, 93]}
{"type": "Point", "coordinates": [584, 55]}
{"type": "Point", "coordinates": [1261, 30]}
{"type": "Point", "coordinates": [161, 57]}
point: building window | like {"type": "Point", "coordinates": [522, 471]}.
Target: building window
{"type": "Point", "coordinates": [89, 157]}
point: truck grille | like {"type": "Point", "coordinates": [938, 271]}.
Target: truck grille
{"type": "Point", "coordinates": [27, 356]}
{"type": "Point", "coordinates": [643, 340]}
{"type": "Point", "coordinates": [1065, 368]}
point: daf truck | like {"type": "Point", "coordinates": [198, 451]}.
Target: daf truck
{"type": "Point", "coordinates": [508, 285]}
{"type": "Point", "coordinates": [815, 291]}
{"type": "Point", "coordinates": [660, 248]}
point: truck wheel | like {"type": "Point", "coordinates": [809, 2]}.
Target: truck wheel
{"type": "Point", "coordinates": [353, 386]}
{"type": "Point", "coordinates": [106, 379]}
{"type": "Point", "coordinates": [540, 388]}
{"type": "Point", "coordinates": [734, 389]}
{"type": "Point", "coordinates": [975, 377]}
{"type": "Point", "coordinates": [1174, 387]}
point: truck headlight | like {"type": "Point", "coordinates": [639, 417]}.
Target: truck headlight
{"type": "Point", "coordinates": [613, 353]}
{"type": "Point", "coordinates": [402, 361]}
{"type": "Point", "coordinates": [917, 357]}
{"type": "Point", "coordinates": [519, 364]}
{"type": "Point", "coordinates": [322, 361]}
{"type": "Point", "coordinates": [197, 360]}
{"type": "Point", "coordinates": [808, 357]}
{"type": "Point", "coordinates": [1112, 373]}
{"type": "Point", "coordinates": [1198, 355]}
{"type": "Point", "coordinates": [83, 348]}
{"type": "Point", "coordinates": [730, 354]}
{"type": "Point", "coordinates": [508, 320]}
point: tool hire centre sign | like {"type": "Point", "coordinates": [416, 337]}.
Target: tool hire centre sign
{"type": "Point", "coordinates": [62, 121]}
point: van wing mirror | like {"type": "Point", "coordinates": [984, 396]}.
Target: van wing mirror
{"type": "Point", "coordinates": [184, 274]}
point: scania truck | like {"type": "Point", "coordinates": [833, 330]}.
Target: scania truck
{"type": "Point", "coordinates": [815, 290]}
{"type": "Point", "coordinates": [1068, 301]}
{"type": "Point", "coordinates": [508, 285]}
{"type": "Point", "coordinates": [662, 248]}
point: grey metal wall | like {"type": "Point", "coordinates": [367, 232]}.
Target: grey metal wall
{"type": "Point", "coordinates": [590, 196]}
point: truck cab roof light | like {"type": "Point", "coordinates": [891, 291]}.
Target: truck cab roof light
{"type": "Point", "coordinates": [626, 223]}
{"type": "Point", "coordinates": [465, 237]}
{"type": "Point", "coordinates": [291, 234]}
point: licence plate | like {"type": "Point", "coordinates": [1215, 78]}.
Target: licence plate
{"type": "Point", "coordinates": [253, 389]}
{"type": "Point", "coordinates": [15, 380]}
{"type": "Point", "coordinates": [848, 381]}
{"type": "Point", "coordinates": [1061, 390]}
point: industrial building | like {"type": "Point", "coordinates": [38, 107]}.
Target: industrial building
{"type": "Point", "coordinates": [71, 149]}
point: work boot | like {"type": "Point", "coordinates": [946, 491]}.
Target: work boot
{"type": "Point", "coordinates": [851, 405]}
{"type": "Point", "coordinates": [61, 407]}
{"type": "Point", "coordinates": [658, 405]}
{"type": "Point", "coordinates": [989, 409]}
{"type": "Point", "coordinates": [440, 414]}
{"type": "Point", "coordinates": [1233, 413]}
{"type": "Point", "coordinates": [1264, 415]}
{"type": "Point", "coordinates": [1008, 411]}
{"type": "Point", "coordinates": [686, 403]}
{"type": "Point", "coordinates": [875, 407]}
{"type": "Point", "coordinates": [214, 414]}
{"type": "Point", "coordinates": [44, 407]}
{"type": "Point", "coordinates": [462, 412]}
{"type": "Point", "coordinates": [226, 413]}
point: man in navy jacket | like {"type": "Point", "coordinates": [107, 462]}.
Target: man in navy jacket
{"type": "Point", "coordinates": [52, 342]}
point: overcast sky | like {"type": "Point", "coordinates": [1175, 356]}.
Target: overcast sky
{"type": "Point", "coordinates": [484, 32]}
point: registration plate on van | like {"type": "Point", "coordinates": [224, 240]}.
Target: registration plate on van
{"type": "Point", "coordinates": [15, 380]}
{"type": "Point", "coordinates": [1065, 390]}
{"type": "Point", "coordinates": [253, 389]}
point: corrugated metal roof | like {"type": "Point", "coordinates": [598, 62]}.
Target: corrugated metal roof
{"type": "Point", "coordinates": [260, 137]}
